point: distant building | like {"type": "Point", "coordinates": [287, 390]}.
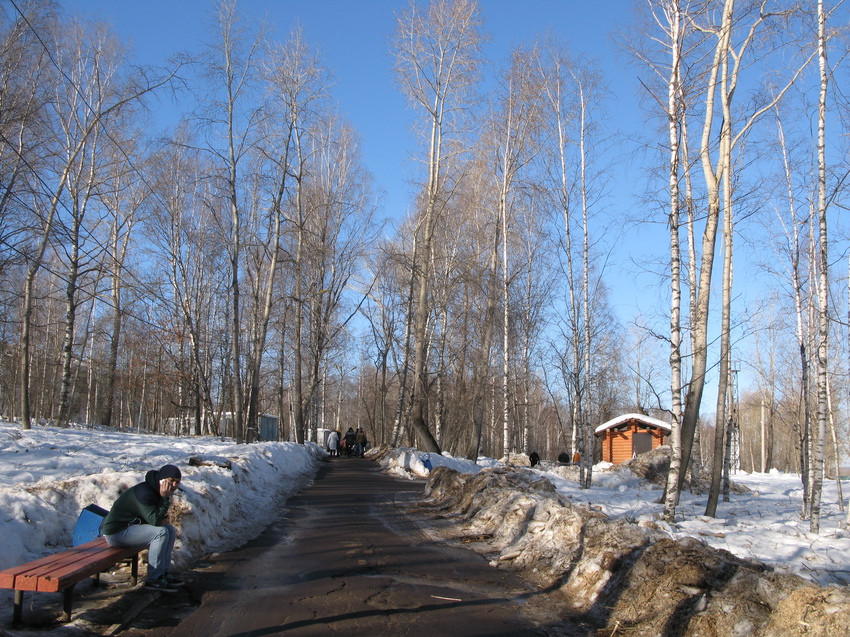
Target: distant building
{"type": "Point", "coordinates": [322, 437]}
{"type": "Point", "coordinates": [624, 437]}
{"type": "Point", "coordinates": [269, 431]}
{"type": "Point", "coordinates": [267, 427]}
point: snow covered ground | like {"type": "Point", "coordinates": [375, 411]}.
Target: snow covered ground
{"type": "Point", "coordinates": [763, 523]}
{"type": "Point", "coordinates": [47, 475]}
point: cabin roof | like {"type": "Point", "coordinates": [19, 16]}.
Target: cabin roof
{"type": "Point", "coordinates": [647, 420]}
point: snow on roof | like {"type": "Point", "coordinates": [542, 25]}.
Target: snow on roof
{"type": "Point", "coordinates": [619, 420]}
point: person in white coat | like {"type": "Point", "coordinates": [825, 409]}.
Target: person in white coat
{"type": "Point", "coordinates": [333, 443]}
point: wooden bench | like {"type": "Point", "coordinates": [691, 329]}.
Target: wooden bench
{"type": "Point", "coordinates": [61, 571]}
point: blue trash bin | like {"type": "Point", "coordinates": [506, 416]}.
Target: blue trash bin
{"type": "Point", "coordinates": [89, 525]}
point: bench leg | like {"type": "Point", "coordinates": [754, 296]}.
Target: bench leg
{"type": "Point", "coordinates": [17, 612]}
{"type": "Point", "coordinates": [68, 603]}
{"type": "Point", "coordinates": [134, 570]}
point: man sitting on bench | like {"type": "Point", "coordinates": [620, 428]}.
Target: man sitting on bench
{"type": "Point", "coordinates": [139, 517]}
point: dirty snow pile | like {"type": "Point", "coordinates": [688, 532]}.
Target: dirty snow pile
{"type": "Point", "coordinates": [761, 521]}
{"type": "Point", "coordinates": [48, 475]}
{"type": "Point", "coordinates": [613, 576]}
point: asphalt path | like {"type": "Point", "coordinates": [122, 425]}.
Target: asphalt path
{"type": "Point", "coordinates": [345, 559]}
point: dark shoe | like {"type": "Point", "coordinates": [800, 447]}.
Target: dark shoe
{"type": "Point", "coordinates": [174, 580]}
{"type": "Point", "coordinates": [160, 585]}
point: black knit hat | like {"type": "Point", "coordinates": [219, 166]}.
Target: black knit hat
{"type": "Point", "coordinates": [169, 471]}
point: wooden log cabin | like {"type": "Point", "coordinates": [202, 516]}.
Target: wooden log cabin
{"type": "Point", "coordinates": [624, 437]}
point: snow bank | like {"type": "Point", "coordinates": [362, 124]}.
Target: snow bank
{"type": "Point", "coordinates": [761, 520]}
{"type": "Point", "coordinates": [537, 520]}
{"type": "Point", "coordinates": [413, 464]}
{"type": "Point", "coordinates": [619, 576]}
{"type": "Point", "coordinates": [50, 474]}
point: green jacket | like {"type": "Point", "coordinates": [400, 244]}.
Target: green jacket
{"type": "Point", "coordinates": [140, 504]}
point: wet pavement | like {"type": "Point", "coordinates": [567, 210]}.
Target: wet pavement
{"type": "Point", "coordinates": [343, 558]}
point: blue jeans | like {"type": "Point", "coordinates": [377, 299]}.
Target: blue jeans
{"type": "Point", "coordinates": [160, 542]}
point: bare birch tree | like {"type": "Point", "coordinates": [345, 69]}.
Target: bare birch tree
{"type": "Point", "coordinates": [124, 192]}
{"type": "Point", "coordinates": [437, 58]}
{"type": "Point", "coordinates": [181, 229]}
{"type": "Point", "coordinates": [575, 93]}
{"type": "Point", "coordinates": [80, 109]}
{"type": "Point", "coordinates": [230, 117]}
{"type": "Point", "coordinates": [515, 133]}
{"type": "Point", "coordinates": [92, 59]}
{"type": "Point", "coordinates": [823, 276]}
{"type": "Point", "coordinates": [670, 19]}
{"type": "Point", "coordinates": [297, 87]}
{"type": "Point", "coordinates": [27, 81]}
{"type": "Point", "coordinates": [725, 73]}
{"type": "Point", "coordinates": [338, 227]}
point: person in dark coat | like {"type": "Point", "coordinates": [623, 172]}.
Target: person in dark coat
{"type": "Point", "coordinates": [350, 439]}
{"type": "Point", "coordinates": [139, 518]}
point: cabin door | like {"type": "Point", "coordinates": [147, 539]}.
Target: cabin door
{"type": "Point", "coordinates": [641, 443]}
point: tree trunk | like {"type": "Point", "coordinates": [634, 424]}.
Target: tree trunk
{"type": "Point", "coordinates": [26, 312]}
{"type": "Point", "coordinates": [114, 337]}
{"type": "Point", "coordinates": [70, 326]}
{"type": "Point", "coordinates": [673, 109]}
{"type": "Point", "coordinates": [399, 424]}
{"type": "Point", "coordinates": [298, 379]}
{"type": "Point", "coordinates": [420, 335]}
{"type": "Point", "coordinates": [482, 367]}
{"type": "Point", "coordinates": [720, 423]}
{"type": "Point", "coordinates": [262, 328]}
{"type": "Point", "coordinates": [823, 280]}
{"type": "Point", "coordinates": [507, 440]}
{"type": "Point", "coordinates": [436, 63]}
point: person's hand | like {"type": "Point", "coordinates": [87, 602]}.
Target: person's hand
{"type": "Point", "coordinates": [168, 486]}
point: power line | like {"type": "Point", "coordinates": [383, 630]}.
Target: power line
{"type": "Point", "coordinates": [98, 115]}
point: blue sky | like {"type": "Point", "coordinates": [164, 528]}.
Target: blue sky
{"type": "Point", "coordinates": [353, 35]}
{"type": "Point", "coordinates": [353, 38]}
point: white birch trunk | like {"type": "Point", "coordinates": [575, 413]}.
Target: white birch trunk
{"type": "Point", "coordinates": [673, 101]}
{"type": "Point", "coordinates": [823, 280]}
{"type": "Point", "coordinates": [836, 449]}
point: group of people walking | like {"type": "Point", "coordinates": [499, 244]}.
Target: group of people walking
{"type": "Point", "coordinates": [353, 443]}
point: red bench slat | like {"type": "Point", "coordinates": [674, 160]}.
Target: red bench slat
{"type": "Point", "coordinates": [8, 577]}
{"type": "Point", "coordinates": [60, 571]}
{"type": "Point", "coordinates": [93, 564]}
{"type": "Point", "coordinates": [27, 579]}
{"type": "Point", "coordinates": [56, 572]}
